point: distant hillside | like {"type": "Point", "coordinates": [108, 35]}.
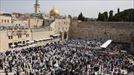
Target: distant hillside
{"type": "Point", "coordinates": [126, 15]}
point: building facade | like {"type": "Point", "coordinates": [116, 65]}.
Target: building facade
{"type": "Point", "coordinates": [35, 22]}
{"type": "Point", "coordinates": [5, 19]}
{"type": "Point", "coordinates": [21, 30]}
{"type": "Point", "coordinates": [17, 35]}
{"type": "Point", "coordinates": [13, 36]}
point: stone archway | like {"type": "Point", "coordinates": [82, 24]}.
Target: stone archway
{"type": "Point", "coordinates": [61, 36]}
{"type": "Point", "coordinates": [65, 35]}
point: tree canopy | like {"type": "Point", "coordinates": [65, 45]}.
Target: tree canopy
{"type": "Point", "coordinates": [81, 17]}
{"type": "Point", "coordinates": [126, 15]}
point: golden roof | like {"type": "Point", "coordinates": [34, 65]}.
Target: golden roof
{"type": "Point", "coordinates": [54, 12]}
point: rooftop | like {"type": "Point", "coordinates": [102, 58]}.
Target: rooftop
{"type": "Point", "coordinates": [12, 27]}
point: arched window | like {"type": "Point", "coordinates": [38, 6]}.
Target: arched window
{"type": "Point", "coordinates": [65, 35]}
{"type": "Point", "coordinates": [2, 20]}
{"type": "Point", "coordinates": [5, 20]}
{"type": "Point", "coordinates": [8, 21]}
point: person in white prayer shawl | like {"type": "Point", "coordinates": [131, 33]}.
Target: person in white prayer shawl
{"type": "Point", "coordinates": [75, 57]}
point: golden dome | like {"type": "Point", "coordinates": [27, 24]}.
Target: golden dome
{"type": "Point", "coordinates": [54, 12]}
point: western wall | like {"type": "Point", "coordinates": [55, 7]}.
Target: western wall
{"type": "Point", "coordinates": [117, 31]}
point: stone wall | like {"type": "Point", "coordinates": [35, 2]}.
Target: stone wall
{"type": "Point", "coordinates": [117, 31]}
{"type": "Point", "coordinates": [40, 34]}
{"type": "Point", "coordinates": [35, 22]}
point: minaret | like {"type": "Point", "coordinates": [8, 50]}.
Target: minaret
{"type": "Point", "coordinates": [37, 7]}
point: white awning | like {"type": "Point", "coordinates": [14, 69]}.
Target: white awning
{"type": "Point", "coordinates": [37, 40]}
{"type": "Point", "coordinates": [20, 44]}
{"type": "Point", "coordinates": [106, 44]}
{"type": "Point", "coordinates": [30, 42]}
{"type": "Point", "coordinates": [13, 45]}
{"type": "Point", "coordinates": [43, 39]}
{"type": "Point", "coordinates": [46, 38]}
{"type": "Point", "coordinates": [56, 35]}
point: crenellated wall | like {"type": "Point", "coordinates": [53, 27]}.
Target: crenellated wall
{"type": "Point", "coordinates": [117, 31]}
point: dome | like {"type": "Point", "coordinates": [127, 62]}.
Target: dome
{"type": "Point", "coordinates": [54, 12]}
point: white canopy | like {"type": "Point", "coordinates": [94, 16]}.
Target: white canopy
{"type": "Point", "coordinates": [38, 39]}
{"type": "Point", "coordinates": [31, 42]}
{"type": "Point", "coordinates": [46, 38]}
{"type": "Point", "coordinates": [106, 44]}
{"type": "Point", "coordinates": [20, 44]}
{"type": "Point", "coordinates": [43, 39]}
{"type": "Point", "coordinates": [56, 35]}
{"type": "Point", "coordinates": [13, 45]}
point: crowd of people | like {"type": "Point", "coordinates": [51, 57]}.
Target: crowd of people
{"type": "Point", "coordinates": [74, 57]}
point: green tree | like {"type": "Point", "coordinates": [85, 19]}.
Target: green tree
{"type": "Point", "coordinates": [110, 15]}
{"type": "Point", "coordinates": [105, 16]}
{"type": "Point", "coordinates": [118, 10]}
{"type": "Point", "coordinates": [126, 15]}
{"type": "Point", "coordinates": [102, 17]}
{"type": "Point", "coordinates": [99, 17]}
{"type": "Point", "coordinates": [81, 17]}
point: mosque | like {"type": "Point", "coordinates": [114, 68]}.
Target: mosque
{"type": "Point", "coordinates": [19, 30]}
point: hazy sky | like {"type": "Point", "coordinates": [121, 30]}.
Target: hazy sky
{"type": "Point", "coordinates": [90, 8]}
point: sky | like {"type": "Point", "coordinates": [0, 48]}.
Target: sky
{"type": "Point", "coordinates": [89, 8]}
